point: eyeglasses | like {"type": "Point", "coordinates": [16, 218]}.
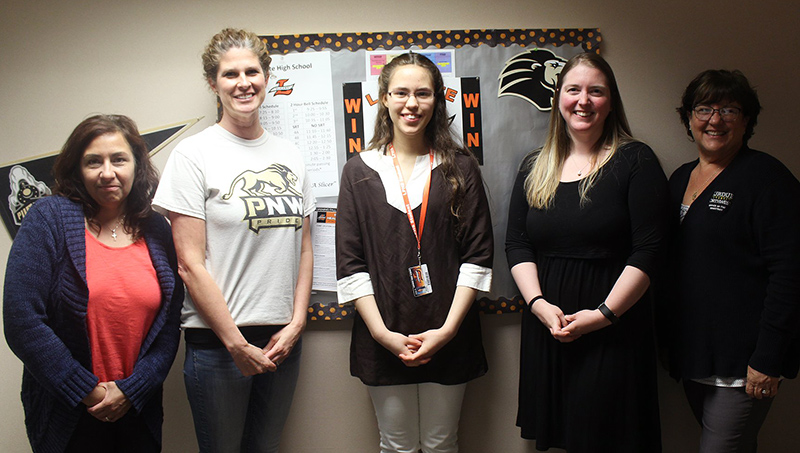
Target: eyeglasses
{"type": "Point", "coordinates": [403, 95]}
{"type": "Point", "coordinates": [727, 114]}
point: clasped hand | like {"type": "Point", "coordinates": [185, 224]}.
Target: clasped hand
{"type": "Point", "coordinates": [416, 349]}
{"type": "Point", "coordinates": [567, 328]}
{"type": "Point", "coordinates": [106, 402]}
{"type": "Point", "coordinates": [252, 360]}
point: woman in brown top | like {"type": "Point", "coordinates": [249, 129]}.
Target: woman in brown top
{"type": "Point", "coordinates": [414, 246]}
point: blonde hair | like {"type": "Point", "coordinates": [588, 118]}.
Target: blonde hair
{"type": "Point", "coordinates": [544, 168]}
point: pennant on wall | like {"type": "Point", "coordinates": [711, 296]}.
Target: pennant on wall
{"type": "Point", "coordinates": [29, 180]}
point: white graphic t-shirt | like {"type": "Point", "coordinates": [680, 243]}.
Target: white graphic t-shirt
{"type": "Point", "coordinates": [253, 196]}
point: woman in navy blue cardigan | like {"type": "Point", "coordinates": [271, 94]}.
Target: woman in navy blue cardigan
{"type": "Point", "coordinates": [68, 308]}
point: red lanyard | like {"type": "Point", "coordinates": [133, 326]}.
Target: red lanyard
{"type": "Point", "coordinates": [425, 194]}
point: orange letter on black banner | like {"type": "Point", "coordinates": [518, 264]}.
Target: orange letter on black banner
{"type": "Point", "coordinates": [353, 119]}
{"type": "Point", "coordinates": [471, 115]}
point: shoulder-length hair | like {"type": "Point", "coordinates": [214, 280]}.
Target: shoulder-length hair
{"type": "Point", "coordinates": [544, 173]}
{"type": "Point", "coordinates": [438, 134]}
{"type": "Point", "coordinates": [69, 177]}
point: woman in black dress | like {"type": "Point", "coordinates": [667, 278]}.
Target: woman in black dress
{"type": "Point", "coordinates": [585, 225]}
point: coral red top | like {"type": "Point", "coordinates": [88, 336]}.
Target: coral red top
{"type": "Point", "coordinates": [124, 299]}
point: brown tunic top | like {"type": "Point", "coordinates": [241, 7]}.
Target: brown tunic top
{"type": "Point", "coordinates": [374, 237]}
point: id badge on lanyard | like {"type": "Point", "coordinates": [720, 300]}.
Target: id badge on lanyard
{"type": "Point", "coordinates": [420, 278]}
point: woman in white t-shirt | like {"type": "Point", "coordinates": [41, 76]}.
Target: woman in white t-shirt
{"type": "Point", "coordinates": [239, 200]}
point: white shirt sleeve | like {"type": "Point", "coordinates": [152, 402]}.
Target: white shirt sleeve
{"type": "Point", "coordinates": [182, 188]}
{"type": "Point", "coordinates": [352, 287]}
{"type": "Point", "coordinates": [474, 276]}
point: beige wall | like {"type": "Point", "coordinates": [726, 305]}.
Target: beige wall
{"type": "Point", "coordinates": [61, 61]}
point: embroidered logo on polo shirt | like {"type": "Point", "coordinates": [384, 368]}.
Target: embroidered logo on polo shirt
{"type": "Point", "coordinates": [270, 197]}
{"type": "Point", "coordinates": [720, 201]}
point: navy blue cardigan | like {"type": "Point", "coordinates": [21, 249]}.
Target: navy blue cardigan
{"type": "Point", "coordinates": [44, 314]}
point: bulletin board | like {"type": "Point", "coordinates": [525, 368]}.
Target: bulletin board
{"type": "Point", "coordinates": [500, 82]}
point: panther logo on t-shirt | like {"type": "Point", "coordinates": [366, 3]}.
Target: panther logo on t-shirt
{"type": "Point", "coordinates": [270, 197]}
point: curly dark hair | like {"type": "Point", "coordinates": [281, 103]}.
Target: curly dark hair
{"type": "Point", "coordinates": [718, 85]}
{"type": "Point", "coordinates": [438, 133]}
{"type": "Point", "coordinates": [69, 178]}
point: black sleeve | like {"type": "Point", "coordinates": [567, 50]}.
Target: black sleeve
{"type": "Point", "coordinates": [518, 246]}
{"type": "Point", "coordinates": [647, 203]}
{"type": "Point", "coordinates": [777, 229]}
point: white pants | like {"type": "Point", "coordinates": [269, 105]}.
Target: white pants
{"type": "Point", "coordinates": [418, 416]}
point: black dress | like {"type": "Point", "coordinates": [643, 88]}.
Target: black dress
{"type": "Point", "coordinates": [598, 393]}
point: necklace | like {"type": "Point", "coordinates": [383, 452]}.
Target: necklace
{"type": "Point", "coordinates": [580, 170]}
{"type": "Point", "coordinates": [114, 230]}
{"type": "Point", "coordinates": [705, 184]}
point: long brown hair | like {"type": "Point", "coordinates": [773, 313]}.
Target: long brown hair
{"type": "Point", "coordinates": [69, 178]}
{"type": "Point", "coordinates": [438, 133]}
